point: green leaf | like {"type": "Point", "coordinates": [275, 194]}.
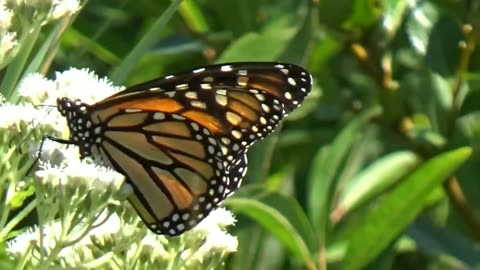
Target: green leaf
{"type": "Point", "coordinates": [16, 68]}
{"type": "Point", "coordinates": [258, 47]}
{"type": "Point", "coordinates": [469, 124]}
{"type": "Point", "coordinates": [434, 240]}
{"type": "Point", "coordinates": [74, 38]}
{"type": "Point", "coordinates": [280, 215]}
{"type": "Point", "coordinates": [443, 51]}
{"type": "Point", "coordinates": [374, 179]}
{"type": "Point", "coordinates": [429, 94]}
{"type": "Point", "coordinates": [19, 198]}
{"type": "Point", "coordinates": [394, 11]}
{"type": "Point", "coordinates": [386, 221]}
{"type": "Point", "coordinates": [298, 48]}
{"type": "Point", "coordinates": [193, 16]}
{"type": "Point", "coordinates": [237, 16]}
{"type": "Point", "coordinates": [119, 75]}
{"type": "Point", "coordinates": [364, 14]}
{"type": "Point", "coordinates": [326, 165]}
{"type": "Point", "coordinates": [419, 26]}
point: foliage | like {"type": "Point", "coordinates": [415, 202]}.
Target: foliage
{"type": "Point", "coordinates": [379, 167]}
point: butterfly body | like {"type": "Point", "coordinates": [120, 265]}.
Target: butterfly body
{"type": "Point", "coordinates": [181, 140]}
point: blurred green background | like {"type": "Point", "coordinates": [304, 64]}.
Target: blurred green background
{"type": "Point", "coordinates": [376, 169]}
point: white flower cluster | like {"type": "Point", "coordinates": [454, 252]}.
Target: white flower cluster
{"type": "Point", "coordinates": [8, 37]}
{"type": "Point", "coordinates": [44, 247]}
{"type": "Point", "coordinates": [29, 14]}
{"type": "Point", "coordinates": [61, 8]}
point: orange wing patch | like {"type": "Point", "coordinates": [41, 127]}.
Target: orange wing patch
{"type": "Point", "coordinates": [246, 98]}
{"type": "Point", "coordinates": [150, 103]}
{"type": "Point", "coordinates": [194, 181]}
{"type": "Point", "coordinates": [201, 167]}
{"type": "Point", "coordinates": [243, 110]}
{"type": "Point", "coordinates": [269, 83]}
{"type": "Point", "coordinates": [128, 120]}
{"type": "Point", "coordinates": [206, 120]}
{"type": "Point", "coordinates": [181, 196]}
{"type": "Point", "coordinates": [175, 128]}
{"type": "Point", "coordinates": [158, 202]}
{"type": "Point", "coordinates": [183, 145]}
{"type": "Point", "coordinates": [141, 210]}
{"type": "Point", "coordinates": [138, 142]}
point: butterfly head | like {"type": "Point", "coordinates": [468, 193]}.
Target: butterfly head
{"type": "Point", "coordinates": [79, 123]}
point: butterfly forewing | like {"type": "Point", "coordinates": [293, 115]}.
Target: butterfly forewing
{"type": "Point", "coordinates": [181, 140]}
{"type": "Point", "coordinates": [240, 103]}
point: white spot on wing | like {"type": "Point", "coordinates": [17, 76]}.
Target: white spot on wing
{"type": "Point", "coordinates": [206, 86]}
{"type": "Point", "coordinates": [199, 104]}
{"type": "Point", "coordinates": [226, 140]}
{"type": "Point", "coordinates": [221, 100]}
{"type": "Point", "coordinates": [237, 134]}
{"type": "Point", "coordinates": [182, 86]}
{"type": "Point", "coordinates": [178, 117]}
{"type": "Point", "coordinates": [242, 81]}
{"type": "Point", "coordinates": [265, 108]}
{"type": "Point", "coordinates": [195, 126]}
{"type": "Point", "coordinates": [292, 81]}
{"type": "Point", "coordinates": [158, 116]}
{"type": "Point", "coordinates": [191, 95]}
{"type": "Point", "coordinates": [242, 72]}
{"type": "Point", "coordinates": [236, 147]}
{"type": "Point", "coordinates": [222, 92]}
{"type": "Point", "coordinates": [170, 93]}
{"type": "Point", "coordinates": [199, 70]}
{"type": "Point", "coordinates": [132, 110]}
{"type": "Point", "coordinates": [263, 120]}
{"type": "Point", "coordinates": [288, 95]}
{"type": "Point", "coordinates": [226, 68]}
{"type": "Point", "coordinates": [260, 97]}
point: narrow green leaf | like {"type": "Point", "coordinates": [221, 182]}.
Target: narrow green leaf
{"type": "Point", "coordinates": [42, 54]}
{"type": "Point", "coordinates": [393, 16]}
{"type": "Point", "coordinates": [443, 52]}
{"type": "Point", "coordinates": [324, 167]}
{"type": "Point", "coordinates": [420, 24]}
{"type": "Point", "coordinates": [377, 177]}
{"type": "Point", "coordinates": [193, 16]}
{"type": "Point", "coordinates": [434, 240]}
{"type": "Point", "coordinates": [280, 215]}
{"type": "Point", "coordinates": [75, 38]}
{"type": "Point", "coordinates": [17, 66]}
{"type": "Point", "coordinates": [148, 40]}
{"type": "Point", "coordinates": [386, 221]}
{"type": "Point", "coordinates": [297, 50]}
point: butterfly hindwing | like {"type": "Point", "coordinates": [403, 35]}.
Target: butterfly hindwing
{"type": "Point", "coordinates": [167, 152]}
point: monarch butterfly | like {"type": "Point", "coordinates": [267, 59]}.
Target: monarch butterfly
{"type": "Point", "coordinates": [181, 140]}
